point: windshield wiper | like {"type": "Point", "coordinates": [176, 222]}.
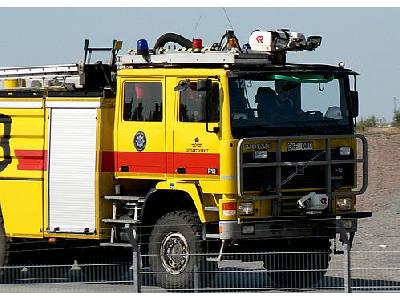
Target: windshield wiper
{"type": "Point", "coordinates": [297, 123]}
{"type": "Point", "coordinates": [262, 125]}
{"type": "Point", "coordinates": [323, 121]}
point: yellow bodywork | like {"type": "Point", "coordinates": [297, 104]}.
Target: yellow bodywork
{"type": "Point", "coordinates": [24, 131]}
{"type": "Point", "coordinates": [24, 181]}
{"type": "Point", "coordinates": [21, 183]}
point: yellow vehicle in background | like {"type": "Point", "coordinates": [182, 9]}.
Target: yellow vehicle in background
{"type": "Point", "coordinates": [193, 150]}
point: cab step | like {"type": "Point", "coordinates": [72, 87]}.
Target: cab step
{"type": "Point", "coordinates": [139, 199]}
{"type": "Point", "coordinates": [126, 245]}
{"type": "Point", "coordinates": [126, 211]}
{"type": "Point", "coordinates": [120, 221]}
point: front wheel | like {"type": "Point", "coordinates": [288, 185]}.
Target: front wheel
{"type": "Point", "coordinates": [175, 250]}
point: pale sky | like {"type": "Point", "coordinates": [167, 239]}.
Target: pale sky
{"type": "Point", "coordinates": [367, 40]}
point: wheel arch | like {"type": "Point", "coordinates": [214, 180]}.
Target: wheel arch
{"type": "Point", "coordinates": [167, 197]}
{"type": "Point", "coordinates": [1, 212]}
{"type": "Point", "coordinates": [161, 200]}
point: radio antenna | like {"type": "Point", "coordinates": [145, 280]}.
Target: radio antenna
{"type": "Point", "coordinates": [195, 27]}
{"type": "Point", "coordinates": [227, 17]}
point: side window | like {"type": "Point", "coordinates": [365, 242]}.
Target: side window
{"type": "Point", "coordinates": [192, 106]}
{"type": "Point", "coordinates": [142, 101]}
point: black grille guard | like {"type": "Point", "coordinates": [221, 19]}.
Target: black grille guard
{"type": "Point", "coordinates": [305, 218]}
{"type": "Point", "coordinates": [278, 164]}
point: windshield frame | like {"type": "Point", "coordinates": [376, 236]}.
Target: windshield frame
{"type": "Point", "coordinates": [295, 128]}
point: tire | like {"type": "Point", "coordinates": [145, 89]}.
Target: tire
{"type": "Point", "coordinates": [174, 242]}
{"type": "Point", "coordinates": [308, 262]}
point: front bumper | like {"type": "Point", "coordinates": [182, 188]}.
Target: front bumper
{"type": "Point", "coordinates": [291, 226]}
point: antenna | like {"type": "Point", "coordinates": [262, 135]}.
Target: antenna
{"type": "Point", "coordinates": [195, 27]}
{"type": "Point", "coordinates": [227, 17]}
{"type": "Point", "coordinates": [395, 99]}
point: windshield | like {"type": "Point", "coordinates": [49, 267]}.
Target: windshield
{"type": "Point", "coordinates": [289, 104]}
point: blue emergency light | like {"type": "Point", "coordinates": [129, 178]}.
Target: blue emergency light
{"type": "Point", "coordinates": [142, 47]}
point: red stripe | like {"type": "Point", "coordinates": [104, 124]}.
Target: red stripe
{"type": "Point", "coordinates": [159, 162]}
{"type": "Point", "coordinates": [137, 162]}
{"type": "Point", "coordinates": [108, 159]}
{"type": "Point", "coordinates": [141, 162]}
{"type": "Point", "coordinates": [31, 160]}
{"type": "Point", "coordinates": [195, 163]}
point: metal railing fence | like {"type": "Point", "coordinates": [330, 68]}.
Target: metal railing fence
{"type": "Point", "coordinates": [367, 271]}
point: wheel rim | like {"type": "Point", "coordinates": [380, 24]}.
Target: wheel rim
{"type": "Point", "coordinates": [174, 253]}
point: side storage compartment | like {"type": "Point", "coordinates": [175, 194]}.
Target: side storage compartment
{"type": "Point", "coordinates": [22, 163]}
{"type": "Point", "coordinates": [71, 178]}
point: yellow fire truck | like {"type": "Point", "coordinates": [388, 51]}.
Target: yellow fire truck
{"type": "Point", "coordinates": [191, 149]}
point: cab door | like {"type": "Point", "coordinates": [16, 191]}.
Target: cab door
{"type": "Point", "coordinates": [141, 128]}
{"type": "Point", "coordinates": [196, 150]}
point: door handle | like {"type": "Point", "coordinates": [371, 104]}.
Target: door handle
{"type": "Point", "coordinates": [124, 169]}
{"type": "Point", "coordinates": [181, 170]}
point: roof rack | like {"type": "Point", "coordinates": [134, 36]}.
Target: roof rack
{"type": "Point", "coordinates": [48, 76]}
{"type": "Point", "coordinates": [180, 57]}
{"type": "Point", "coordinates": [90, 76]}
{"type": "Point", "coordinates": [263, 48]}
{"type": "Point", "coordinates": [48, 71]}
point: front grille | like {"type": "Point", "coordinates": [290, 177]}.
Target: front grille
{"type": "Point", "coordinates": [263, 179]}
{"type": "Point", "coordinates": [289, 156]}
{"type": "Point", "coordinates": [290, 206]}
{"type": "Point", "coordinates": [300, 171]}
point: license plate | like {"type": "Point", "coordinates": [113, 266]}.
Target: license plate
{"type": "Point", "coordinates": [300, 146]}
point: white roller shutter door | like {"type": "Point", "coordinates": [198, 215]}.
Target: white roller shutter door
{"type": "Point", "coordinates": [72, 169]}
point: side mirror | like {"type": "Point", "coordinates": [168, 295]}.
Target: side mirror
{"type": "Point", "coordinates": [354, 103]}
{"type": "Point", "coordinates": [215, 130]}
{"type": "Point", "coordinates": [182, 85]}
{"type": "Point", "coordinates": [204, 85]}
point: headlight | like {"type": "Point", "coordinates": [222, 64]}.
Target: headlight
{"type": "Point", "coordinates": [246, 208]}
{"type": "Point", "coordinates": [345, 151]}
{"type": "Point", "coordinates": [344, 203]}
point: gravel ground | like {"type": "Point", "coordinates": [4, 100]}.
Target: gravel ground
{"type": "Point", "coordinates": [376, 247]}
{"type": "Point", "coordinates": [381, 232]}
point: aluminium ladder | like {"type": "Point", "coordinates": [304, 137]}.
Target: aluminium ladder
{"type": "Point", "coordinates": [48, 75]}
